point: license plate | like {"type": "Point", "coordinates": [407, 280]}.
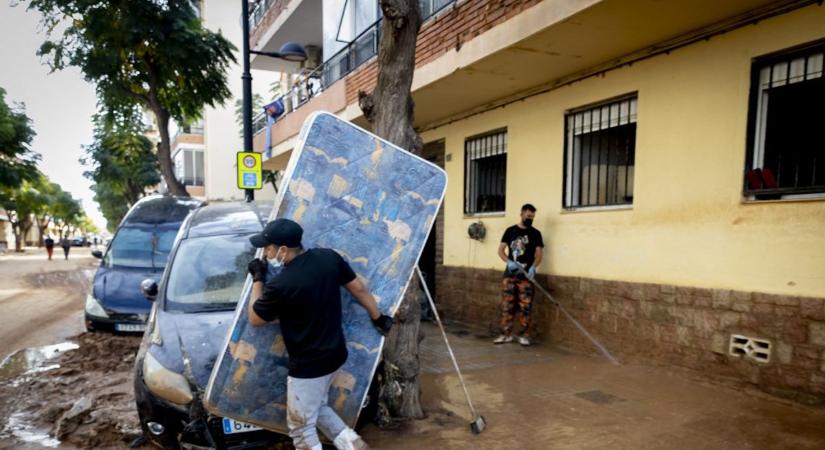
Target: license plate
{"type": "Point", "coordinates": [136, 327]}
{"type": "Point", "coordinates": [231, 426]}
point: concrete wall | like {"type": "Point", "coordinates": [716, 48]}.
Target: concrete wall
{"type": "Point", "coordinates": [689, 224]}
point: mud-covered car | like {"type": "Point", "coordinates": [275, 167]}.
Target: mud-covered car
{"type": "Point", "coordinates": [138, 250]}
{"type": "Point", "coordinates": [193, 309]}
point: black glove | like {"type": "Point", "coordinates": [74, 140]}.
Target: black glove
{"type": "Point", "coordinates": [383, 324]}
{"type": "Point", "coordinates": [257, 268]}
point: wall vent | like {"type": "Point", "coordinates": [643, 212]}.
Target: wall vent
{"type": "Point", "coordinates": [756, 349]}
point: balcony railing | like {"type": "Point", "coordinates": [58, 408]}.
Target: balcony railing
{"type": "Point", "coordinates": [258, 12]}
{"type": "Point", "coordinates": [190, 129]}
{"type": "Point", "coordinates": [345, 61]}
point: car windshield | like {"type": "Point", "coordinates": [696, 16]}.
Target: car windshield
{"type": "Point", "coordinates": [208, 273]}
{"type": "Point", "coordinates": [143, 247]}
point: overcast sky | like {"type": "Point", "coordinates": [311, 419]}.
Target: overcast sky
{"type": "Point", "coordinates": [60, 104]}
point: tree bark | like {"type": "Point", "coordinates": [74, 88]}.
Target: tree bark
{"type": "Point", "coordinates": [41, 227]}
{"type": "Point", "coordinates": [390, 109]}
{"type": "Point", "coordinates": [167, 167]}
{"type": "Point", "coordinates": [16, 230]}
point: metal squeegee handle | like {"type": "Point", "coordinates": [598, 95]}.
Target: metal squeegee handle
{"type": "Point", "coordinates": [593, 340]}
{"type": "Point", "coordinates": [446, 341]}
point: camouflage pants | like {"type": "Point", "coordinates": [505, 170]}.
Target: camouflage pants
{"type": "Point", "coordinates": [513, 288]}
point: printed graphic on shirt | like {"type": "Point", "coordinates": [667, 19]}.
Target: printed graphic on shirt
{"type": "Point", "coordinates": [518, 247]}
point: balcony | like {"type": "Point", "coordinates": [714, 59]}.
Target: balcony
{"type": "Point", "coordinates": [275, 22]}
{"type": "Point", "coordinates": [190, 134]}
{"type": "Point", "coordinates": [352, 56]}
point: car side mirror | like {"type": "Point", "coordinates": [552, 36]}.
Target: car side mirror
{"type": "Point", "coordinates": [149, 288]}
{"type": "Point", "coordinates": [97, 254]}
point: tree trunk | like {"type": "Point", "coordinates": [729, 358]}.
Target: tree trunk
{"type": "Point", "coordinates": [167, 168]}
{"type": "Point", "coordinates": [389, 109]}
{"type": "Point", "coordinates": [41, 227]}
{"type": "Point", "coordinates": [15, 229]}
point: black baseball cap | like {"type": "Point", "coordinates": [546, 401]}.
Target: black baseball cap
{"type": "Point", "coordinates": [279, 232]}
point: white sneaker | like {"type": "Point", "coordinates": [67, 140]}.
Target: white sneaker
{"type": "Point", "coordinates": [503, 339]}
{"type": "Point", "coordinates": [524, 341]}
{"type": "Point", "coordinates": [349, 440]}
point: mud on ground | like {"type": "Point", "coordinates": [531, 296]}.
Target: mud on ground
{"type": "Point", "coordinates": [87, 402]}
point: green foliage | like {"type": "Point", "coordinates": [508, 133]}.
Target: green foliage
{"type": "Point", "coordinates": [66, 211]}
{"type": "Point", "coordinates": [86, 226]}
{"type": "Point", "coordinates": [122, 162]}
{"type": "Point", "coordinates": [112, 205]}
{"type": "Point", "coordinates": [18, 162]}
{"type": "Point", "coordinates": [140, 52]}
{"type": "Point", "coordinates": [121, 157]}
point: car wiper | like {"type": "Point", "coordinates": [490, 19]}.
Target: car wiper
{"type": "Point", "coordinates": [212, 308]}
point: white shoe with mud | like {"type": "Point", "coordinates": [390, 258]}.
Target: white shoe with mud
{"type": "Point", "coordinates": [349, 440]}
{"type": "Point", "coordinates": [524, 341]}
{"type": "Point", "coordinates": [502, 339]}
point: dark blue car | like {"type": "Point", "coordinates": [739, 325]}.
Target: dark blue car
{"type": "Point", "coordinates": [138, 250]}
{"type": "Point", "coordinates": [194, 305]}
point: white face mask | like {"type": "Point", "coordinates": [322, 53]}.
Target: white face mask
{"type": "Point", "coordinates": [275, 262]}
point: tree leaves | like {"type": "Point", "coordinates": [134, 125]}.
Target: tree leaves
{"type": "Point", "coordinates": [121, 160]}
{"type": "Point", "coordinates": [18, 162]}
{"type": "Point", "coordinates": [152, 53]}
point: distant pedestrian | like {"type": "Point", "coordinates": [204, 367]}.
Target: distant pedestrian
{"type": "Point", "coordinates": [67, 245]}
{"type": "Point", "coordinates": [49, 246]}
{"type": "Point", "coordinates": [524, 250]}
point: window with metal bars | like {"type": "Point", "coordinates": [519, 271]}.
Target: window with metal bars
{"type": "Point", "coordinates": [599, 154]}
{"type": "Point", "coordinates": [786, 147]}
{"type": "Point", "coordinates": [485, 172]}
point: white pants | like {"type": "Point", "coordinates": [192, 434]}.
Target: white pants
{"type": "Point", "coordinates": [306, 403]}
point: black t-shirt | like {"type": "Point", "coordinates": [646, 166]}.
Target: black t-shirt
{"type": "Point", "coordinates": [522, 243]}
{"type": "Point", "coordinates": [306, 295]}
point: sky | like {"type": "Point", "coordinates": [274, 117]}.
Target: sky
{"type": "Point", "coordinates": [60, 104]}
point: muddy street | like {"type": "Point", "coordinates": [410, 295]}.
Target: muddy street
{"type": "Point", "coordinates": [63, 388]}
{"type": "Point", "coordinates": [41, 302]}
{"type": "Point", "coordinates": [60, 387]}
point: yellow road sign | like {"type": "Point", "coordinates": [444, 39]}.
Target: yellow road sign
{"type": "Point", "coordinates": [249, 170]}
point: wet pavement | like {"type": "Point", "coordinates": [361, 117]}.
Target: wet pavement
{"type": "Point", "coordinates": [543, 398]}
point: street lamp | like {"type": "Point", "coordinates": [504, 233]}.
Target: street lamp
{"type": "Point", "coordinates": [290, 51]}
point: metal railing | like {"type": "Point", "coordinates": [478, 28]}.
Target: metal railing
{"type": "Point", "coordinates": [258, 12]}
{"type": "Point", "coordinates": [190, 129]}
{"type": "Point", "coordinates": [354, 54]}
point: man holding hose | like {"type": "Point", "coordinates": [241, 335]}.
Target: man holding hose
{"type": "Point", "coordinates": [521, 248]}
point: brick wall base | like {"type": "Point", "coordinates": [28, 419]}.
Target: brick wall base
{"type": "Point", "coordinates": [666, 325]}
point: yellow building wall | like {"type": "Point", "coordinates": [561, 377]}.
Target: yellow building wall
{"type": "Point", "coordinates": [689, 224]}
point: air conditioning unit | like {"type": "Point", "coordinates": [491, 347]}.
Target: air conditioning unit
{"type": "Point", "coordinates": [314, 55]}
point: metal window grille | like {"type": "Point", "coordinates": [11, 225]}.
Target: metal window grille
{"type": "Point", "coordinates": [485, 172]}
{"type": "Point", "coordinates": [787, 110]}
{"type": "Point", "coordinates": [599, 154]}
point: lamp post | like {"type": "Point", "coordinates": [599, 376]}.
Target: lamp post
{"type": "Point", "coordinates": [290, 51]}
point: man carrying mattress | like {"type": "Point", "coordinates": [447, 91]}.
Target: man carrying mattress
{"type": "Point", "coordinates": [306, 296]}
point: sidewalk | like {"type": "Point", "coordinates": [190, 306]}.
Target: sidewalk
{"type": "Point", "coordinates": [542, 398]}
{"type": "Point", "coordinates": [35, 253]}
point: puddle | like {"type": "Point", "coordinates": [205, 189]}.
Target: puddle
{"type": "Point", "coordinates": [32, 360]}
{"type": "Point", "coordinates": [25, 432]}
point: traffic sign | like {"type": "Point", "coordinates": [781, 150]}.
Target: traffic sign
{"type": "Point", "coordinates": [249, 170]}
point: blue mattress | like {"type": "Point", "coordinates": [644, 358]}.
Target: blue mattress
{"type": "Point", "coordinates": [373, 203]}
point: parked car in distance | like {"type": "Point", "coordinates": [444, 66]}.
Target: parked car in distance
{"type": "Point", "coordinates": [138, 250]}
{"type": "Point", "coordinates": [80, 242]}
{"type": "Point", "coordinates": [194, 305]}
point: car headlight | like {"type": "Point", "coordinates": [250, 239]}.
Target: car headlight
{"type": "Point", "coordinates": [93, 307]}
{"type": "Point", "coordinates": [164, 383]}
